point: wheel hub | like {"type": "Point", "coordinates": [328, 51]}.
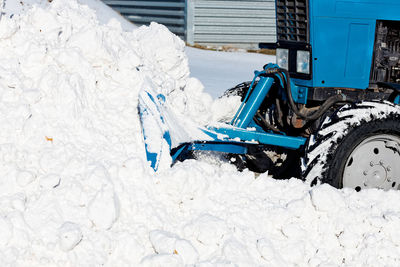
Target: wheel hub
{"type": "Point", "coordinates": [374, 163]}
{"type": "Point", "coordinates": [376, 176]}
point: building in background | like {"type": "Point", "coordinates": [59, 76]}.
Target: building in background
{"type": "Point", "coordinates": [238, 23]}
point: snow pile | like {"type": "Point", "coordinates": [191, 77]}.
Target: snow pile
{"type": "Point", "coordinates": [103, 12]}
{"type": "Point", "coordinates": [75, 188]}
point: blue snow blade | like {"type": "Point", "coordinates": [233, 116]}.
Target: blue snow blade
{"type": "Point", "coordinates": [155, 133]}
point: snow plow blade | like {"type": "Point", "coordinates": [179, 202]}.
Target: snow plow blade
{"type": "Point", "coordinates": [163, 130]}
{"type": "Point", "coordinates": [156, 135]}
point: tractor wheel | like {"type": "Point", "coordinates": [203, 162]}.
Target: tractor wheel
{"type": "Point", "coordinates": [356, 147]}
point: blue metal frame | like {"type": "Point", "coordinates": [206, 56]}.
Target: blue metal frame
{"type": "Point", "coordinates": [257, 137]}
{"type": "Point", "coordinates": [252, 101]}
{"type": "Point", "coordinates": [235, 138]}
{"type": "Point", "coordinates": [225, 147]}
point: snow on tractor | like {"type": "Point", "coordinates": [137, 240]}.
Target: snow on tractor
{"type": "Point", "coordinates": [327, 111]}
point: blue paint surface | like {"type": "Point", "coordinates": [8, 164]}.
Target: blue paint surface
{"type": "Point", "coordinates": [342, 35]}
{"type": "Point", "coordinates": [260, 137]}
{"type": "Point", "coordinates": [248, 109]}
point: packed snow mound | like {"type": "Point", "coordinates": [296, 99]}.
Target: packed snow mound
{"type": "Point", "coordinates": [75, 189]}
{"type": "Point", "coordinates": [104, 13]}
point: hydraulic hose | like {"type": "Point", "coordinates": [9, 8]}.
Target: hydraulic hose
{"type": "Point", "coordinates": [265, 123]}
{"type": "Point", "coordinates": [323, 108]}
{"type": "Point", "coordinates": [280, 113]}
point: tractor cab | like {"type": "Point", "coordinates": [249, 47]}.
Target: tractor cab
{"type": "Point", "coordinates": [339, 46]}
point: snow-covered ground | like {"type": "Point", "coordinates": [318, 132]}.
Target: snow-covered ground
{"type": "Point", "coordinates": [75, 189]}
{"type": "Point", "coordinates": [219, 71]}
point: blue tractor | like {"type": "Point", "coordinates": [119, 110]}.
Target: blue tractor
{"type": "Point", "coordinates": [327, 111]}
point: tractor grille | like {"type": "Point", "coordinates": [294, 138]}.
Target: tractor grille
{"type": "Point", "coordinates": [292, 20]}
{"type": "Point", "coordinates": [386, 64]}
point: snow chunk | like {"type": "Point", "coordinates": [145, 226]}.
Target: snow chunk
{"type": "Point", "coordinates": [50, 181]}
{"type": "Point", "coordinates": [6, 231]}
{"type": "Point", "coordinates": [168, 243]}
{"type": "Point", "coordinates": [235, 251]}
{"type": "Point", "coordinates": [18, 201]}
{"type": "Point", "coordinates": [208, 230]}
{"type": "Point", "coordinates": [266, 249]}
{"type": "Point", "coordinates": [70, 235]}
{"type": "Point", "coordinates": [326, 198]}
{"type": "Point", "coordinates": [103, 209]}
{"type": "Point", "coordinates": [25, 177]}
{"type": "Point", "coordinates": [161, 260]}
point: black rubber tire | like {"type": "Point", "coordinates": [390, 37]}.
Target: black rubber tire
{"type": "Point", "coordinates": [327, 150]}
{"type": "Point", "coordinates": [239, 90]}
